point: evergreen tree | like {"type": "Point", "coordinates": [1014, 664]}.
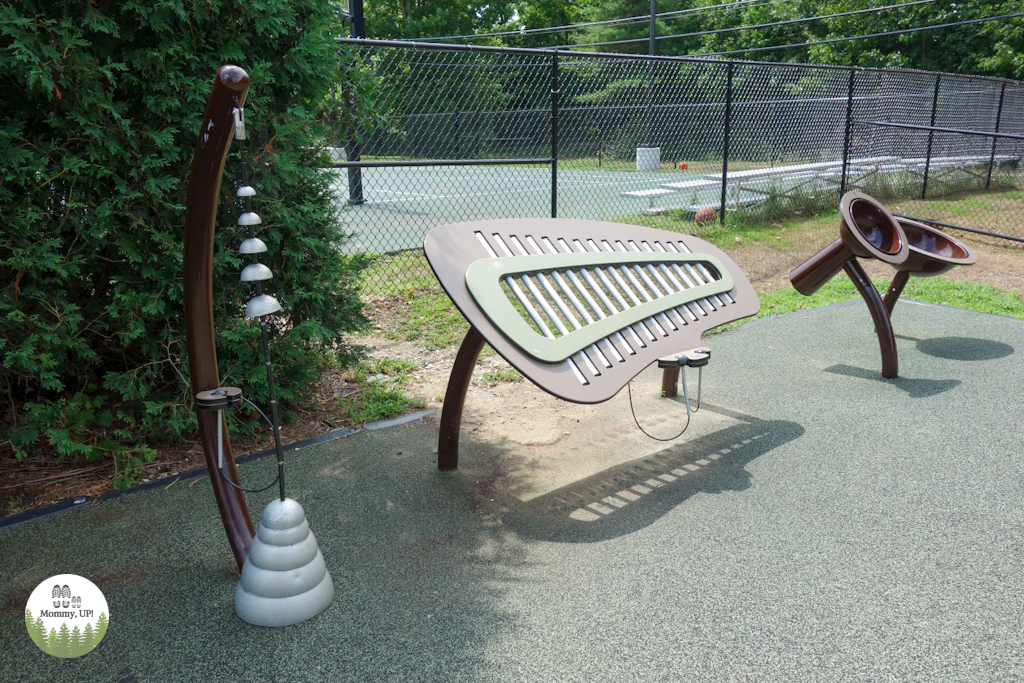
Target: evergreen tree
{"type": "Point", "coordinates": [64, 642]}
{"type": "Point", "coordinates": [77, 645]}
{"type": "Point", "coordinates": [101, 111]}
{"type": "Point", "coordinates": [88, 637]}
{"type": "Point", "coordinates": [51, 642]}
{"type": "Point", "coordinates": [101, 628]}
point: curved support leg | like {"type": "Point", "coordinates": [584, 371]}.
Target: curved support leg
{"type": "Point", "coordinates": [886, 338]}
{"type": "Point", "coordinates": [229, 90]}
{"type": "Point", "coordinates": [895, 289]}
{"type": "Point", "coordinates": [455, 398]}
{"type": "Point", "coordinates": [669, 382]}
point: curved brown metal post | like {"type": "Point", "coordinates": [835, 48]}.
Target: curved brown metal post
{"type": "Point", "coordinates": [669, 382]}
{"type": "Point", "coordinates": [895, 289]}
{"type": "Point", "coordinates": [886, 338]}
{"type": "Point", "coordinates": [455, 398]}
{"type": "Point", "coordinates": [229, 89]}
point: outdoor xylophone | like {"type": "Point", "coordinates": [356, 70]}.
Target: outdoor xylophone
{"type": "Point", "coordinates": [579, 307]}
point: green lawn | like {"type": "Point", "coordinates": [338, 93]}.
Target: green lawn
{"type": "Point", "coordinates": [958, 294]}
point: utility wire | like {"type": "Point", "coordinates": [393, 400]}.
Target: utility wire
{"type": "Point", "coordinates": [581, 26]}
{"type": "Point", "coordinates": [866, 35]}
{"type": "Point", "coordinates": [753, 26]}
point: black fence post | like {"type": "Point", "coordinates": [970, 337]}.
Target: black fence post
{"type": "Point", "coordinates": [725, 137]}
{"type": "Point", "coordinates": [931, 137]}
{"type": "Point", "coordinates": [649, 137]}
{"type": "Point", "coordinates": [357, 29]}
{"type": "Point", "coordinates": [999, 116]}
{"type": "Point", "coordinates": [458, 134]}
{"type": "Point", "coordinates": [554, 136]}
{"type": "Point", "coordinates": [846, 139]}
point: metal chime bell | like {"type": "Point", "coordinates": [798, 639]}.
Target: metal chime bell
{"type": "Point", "coordinates": [284, 578]}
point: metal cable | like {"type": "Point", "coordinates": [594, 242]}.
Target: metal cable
{"type": "Point", "coordinates": [784, 22]}
{"type": "Point", "coordinates": [221, 469]}
{"type": "Point", "coordinates": [866, 35]}
{"type": "Point", "coordinates": [584, 25]}
{"type": "Point", "coordinates": [629, 390]}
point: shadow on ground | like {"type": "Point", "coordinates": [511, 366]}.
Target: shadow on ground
{"type": "Point", "coordinates": [961, 348]}
{"type": "Point", "coordinates": [915, 388]}
{"type": "Point", "coordinates": [633, 495]}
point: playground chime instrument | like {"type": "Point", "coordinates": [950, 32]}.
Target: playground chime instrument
{"type": "Point", "coordinates": [284, 577]}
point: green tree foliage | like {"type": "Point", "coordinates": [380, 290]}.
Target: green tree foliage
{"type": "Point", "coordinates": [77, 646]}
{"type": "Point", "coordinates": [52, 642]}
{"type": "Point", "coordinates": [100, 111]}
{"type": "Point", "coordinates": [995, 48]}
{"type": "Point", "coordinates": [640, 30]}
{"type": "Point", "coordinates": [411, 19]}
{"type": "Point", "coordinates": [542, 14]}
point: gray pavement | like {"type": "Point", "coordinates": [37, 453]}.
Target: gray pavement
{"type": "Point", "coordinates": [816, 523]}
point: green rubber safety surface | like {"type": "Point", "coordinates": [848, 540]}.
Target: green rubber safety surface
{"type": "Point", "coordinates": [816, 522]}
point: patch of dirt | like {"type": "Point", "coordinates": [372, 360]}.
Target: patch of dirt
{"type": "Point", "coordinates": [514, 411]}
{"type": "Point", "coordinates": [42, 480]}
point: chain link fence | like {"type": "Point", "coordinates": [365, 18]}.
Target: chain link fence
{"type": "Point", "coordinates": [683, 144]}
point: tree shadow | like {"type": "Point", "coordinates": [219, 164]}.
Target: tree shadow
{"type": "Point", "coordinates": [633, 495]}
{"type": "Point", "coordinates": [915, 388]}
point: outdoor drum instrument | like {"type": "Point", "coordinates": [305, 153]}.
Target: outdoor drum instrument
{"type": "Point", "coordinates": [868, 230]}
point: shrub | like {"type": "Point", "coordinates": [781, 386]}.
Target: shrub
{"type": "Point", "coordinates": [100, 111]}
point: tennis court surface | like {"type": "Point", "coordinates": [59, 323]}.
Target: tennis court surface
{"type": "Point", "coordinates": [403, 204]}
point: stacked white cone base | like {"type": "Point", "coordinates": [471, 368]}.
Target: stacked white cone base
{"type": "Point", "coordinates": [284, 578]}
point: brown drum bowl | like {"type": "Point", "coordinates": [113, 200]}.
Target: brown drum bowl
{"type": "Point", "coordinates": [868, 229]}
{"type": "Point", "coordinates": [932, 252]}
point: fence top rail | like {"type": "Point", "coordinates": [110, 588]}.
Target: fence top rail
{"type": "Point", "coordinates": [939, 129]}
{"type": "Point", "coordinates": [696, 59]}
{"type": "Point", "coordinates": [442, 162]}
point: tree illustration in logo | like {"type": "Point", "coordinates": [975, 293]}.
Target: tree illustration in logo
{"type": "Point", "coordinates": [36, 630]}
{"type": "Point", "coordinates": [101, 627]}
{"type": "Point", "coordinates": [63, 641]}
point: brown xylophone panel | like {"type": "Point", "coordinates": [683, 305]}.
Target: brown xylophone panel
{"type": "Point", "coordinates": [450, 249]}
